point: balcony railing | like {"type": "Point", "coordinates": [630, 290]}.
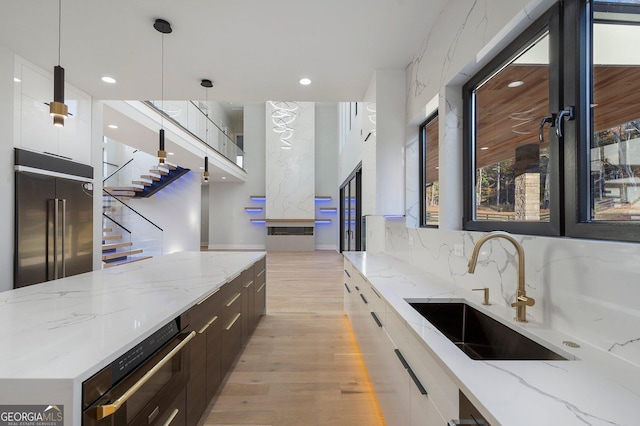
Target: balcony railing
{"type": "Point", "coordinates": [191, 117]}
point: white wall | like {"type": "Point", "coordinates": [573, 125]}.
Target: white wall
{"type": "Point", "coordinates": [204, 215]}
{"type": "Point", "coordinates": [175, 209]}
{"type": "Point", "coordinates": [6, 169]}
{"type": "Point", "coordinates": [326, 179]}
{"type": "Point", "coordinates": [229, 224]}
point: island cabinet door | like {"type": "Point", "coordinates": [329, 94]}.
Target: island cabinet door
{"type": "Point", "coordinates": [204, 370]}
{"type": "Point", "coordinates": [248, 302]}
{"type": "Point", "coordinates": [260, 288]}
{"type": "Point", "coordinates": [231, 323]}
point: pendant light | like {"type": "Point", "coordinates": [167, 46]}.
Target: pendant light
{"type": "Point", "coordinates": [206, 84]}
{"type": "Point", "coordinates": [57, 108]}
{"type": "Point", "coordinates": [162, 27]}
{"type": "Point", "coordinates": [205, 175]}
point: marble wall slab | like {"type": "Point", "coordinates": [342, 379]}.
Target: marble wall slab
{"type": "Point", "coordinates": [290, 163]}
{"type": "Point", "coordinates": [587, 289]}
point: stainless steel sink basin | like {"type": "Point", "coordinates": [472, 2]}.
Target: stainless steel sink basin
{"type": "Point", "coordinates": [479, 336]}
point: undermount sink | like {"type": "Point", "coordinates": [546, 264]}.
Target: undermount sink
{"type": "Point", "coordinates": [479, 336]}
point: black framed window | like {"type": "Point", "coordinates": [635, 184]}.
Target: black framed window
{"type": "Point", "coordinates": [512, 162]}
{"type": "Point", "coordinates": [570, 166]}
{"type": "Point", "coordinates": [429, 171]}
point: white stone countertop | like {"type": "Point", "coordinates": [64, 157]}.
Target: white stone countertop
{"type": "Point", "coordinates": [593, 387]}
{"type": "Point", "coordinates": [73, 327]}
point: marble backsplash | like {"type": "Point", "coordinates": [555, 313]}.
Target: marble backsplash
{"type": "Point", "coordinates": [587, 289]}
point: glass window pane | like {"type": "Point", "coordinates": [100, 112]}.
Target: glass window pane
{"type": "Point", "coordinates": [615, 144]}
{"type": "Point", "coordinates": [431, 188]}
{"type": "Point", "coordinates": [512, 173]}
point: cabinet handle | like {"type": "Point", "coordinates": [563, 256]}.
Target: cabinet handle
{"type": "Point", "coordinates": [401, 358]}
{"type": "Point", "coordinates": [357, 288]}
{"type": "Point", "coordinates": [406, 365]}
{"type": "Point", "coordinates": [347, 287]}
{"type": "Point", "coordinates": [375, 292]}
{"type": "Point", "coordinates": [260, 288]}
{"type": "Point", "coordinates": [208, 296]}
{"type": "Point", "coordinates": [173, 415]}
{"type": "Point", "coordinates": [363, 299]}
{"type": "Point", "coordinates": [260, 273]}
{"type": "Point", "coordinates": [151, 417]}
{"type": "Point", "coordinates": [233, 299]}
{"type": "Point", "coordinates": [233, 321]}
{"type": "Point", "coordinates": [247, 285]}
{"type": "Point", "coordinates": [375, 318]}
{"type": "Point", "coordinates": [347, 272]}
{"type": "Point", "coordinates": [203, 329]}
{"type": "Point", "coordinates": [108, 409]}
{"type": "Point", "coordinates": [421, 388]}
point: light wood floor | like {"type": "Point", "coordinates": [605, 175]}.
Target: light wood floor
{"type": "Point", "coordinates": [302, 365]}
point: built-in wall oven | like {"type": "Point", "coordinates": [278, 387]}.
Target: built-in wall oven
{"type": "Point", "coordinates": [144, 386]}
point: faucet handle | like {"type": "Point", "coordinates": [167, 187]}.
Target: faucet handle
{"type": "Point", "coordinates": [486, 294]}
{"type": "Point", "coordinates": [523, 301]}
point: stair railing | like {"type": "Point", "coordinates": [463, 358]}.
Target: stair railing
{"type": "Point", "coordinates": [144, 234]}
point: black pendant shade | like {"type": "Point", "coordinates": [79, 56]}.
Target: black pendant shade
{"type": "Point", "coordinates": [57, 109]}
{"type": "Point", "coordinates": [162, 154]}
{"type": "Point", "coordinates": [206, 169]}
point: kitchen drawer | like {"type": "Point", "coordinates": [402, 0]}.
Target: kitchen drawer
{"type": "Point", "coordinates": [442, 390]}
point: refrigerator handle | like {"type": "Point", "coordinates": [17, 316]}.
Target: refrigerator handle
{"type": "Point", "coordinates": [56, 229]}
{"type": "Point", "coordinates": [64, 231]}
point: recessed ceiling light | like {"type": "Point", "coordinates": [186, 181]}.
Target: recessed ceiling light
{"type": "Point", "coordinates": [108, 79]}
{"type": "Point", "coordinates": [169, 153]}
{"type": "Point", "coordinates": [516, 83]}
{"type": "Point", "coordinates": [484, 148]}
{"type": "Point", "coordinates": [201, 168]}
{"type": "Point", "coordinates": [112, 126]}
{"type": "Point", "coordinates": [16, 80]}
{"type": "Point", "coordinates": [224, 177]}
{"type": "Point", "coordinates": [305, 81]}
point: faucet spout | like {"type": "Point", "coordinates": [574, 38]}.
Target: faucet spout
{"type": "Point", "coordinates": [522, 301]}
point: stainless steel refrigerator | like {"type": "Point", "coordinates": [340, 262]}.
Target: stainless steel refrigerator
{"type": "Point", "coordinates": [53, 227]}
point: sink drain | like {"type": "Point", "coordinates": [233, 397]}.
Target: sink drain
{"type": "Point", "coordinates": [571, 344]}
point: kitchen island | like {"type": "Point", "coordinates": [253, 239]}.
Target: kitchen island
{"type": "Point", "coordinates": [57, 334]}
{"type": "Point", "coordinates": [590, 387]}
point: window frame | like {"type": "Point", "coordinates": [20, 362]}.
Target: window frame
{"type": "Point", "coordinates": [580, 131]}
{"type": "Point", "coordinates": [422, 152]}
{"type": "Point", "coordinates": [548, 22]}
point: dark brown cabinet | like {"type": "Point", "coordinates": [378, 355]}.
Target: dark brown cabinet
{"type": "Point", "coordinates": [248, 303]}
{"type": "Point", "coordinates": [223, 321]}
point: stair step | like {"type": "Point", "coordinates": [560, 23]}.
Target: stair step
{"type": "Point", "coordinates": [118, 254]}
{"type": "Point", "coordinates": [168, 166]}
{"type": "Point", "coordinates": [143, 182]}
{"type": "Point", "coordinates": [113, 246]}
{"type": "Point", "coordinates": [125, 261]}
{"type": "Point", "coordinates": [104, 230]}
{"type": "Point", "coordinates": [111, 237]}
{"type": "Point", "coordinates": [121, 193]}
{"type": "Point", "coordinates": [162, 172]}
{"type": "Point", "coordinates": [151, 177]}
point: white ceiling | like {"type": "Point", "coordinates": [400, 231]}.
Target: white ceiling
{"type": "Point", "coordinates": [253, 50]}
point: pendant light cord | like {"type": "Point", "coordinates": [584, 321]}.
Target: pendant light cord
{"type": "Point", "coordinates": [59, 27]}
{"type": "Point", "coordinates": [162, 83]}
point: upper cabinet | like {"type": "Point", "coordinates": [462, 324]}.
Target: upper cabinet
{"type": "Point", "coordinates": [33, 125]}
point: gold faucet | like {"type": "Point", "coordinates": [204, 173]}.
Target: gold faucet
{"type": "Point", "coordinates": [522, 301]}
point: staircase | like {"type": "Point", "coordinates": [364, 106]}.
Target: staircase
{"type": "Point", "coordinates": [117, 252]}
{"type": "Point", "coordinates": [150, 183]}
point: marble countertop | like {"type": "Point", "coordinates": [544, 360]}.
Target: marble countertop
{"type": "Point", "coordinates": [73, 327]}
{"type": "Point", "coordinates": [592, 388]}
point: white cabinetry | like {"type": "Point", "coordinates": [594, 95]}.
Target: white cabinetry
{"type": "Point", "coordinates": [34, 128]}
{"type": "Point", "coordinates": [403, 383]}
